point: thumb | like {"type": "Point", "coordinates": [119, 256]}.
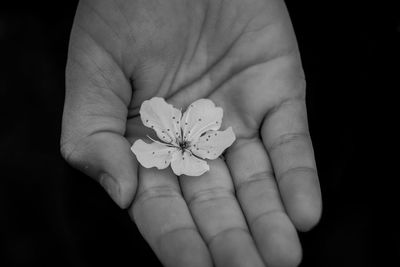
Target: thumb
{"type": "Point", "coordinates": [107, 158]}
{"type": "Point", "coordinates": [94, 120]}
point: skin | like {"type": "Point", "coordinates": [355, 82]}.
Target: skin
{"type": "Point", "coordinates": [243, 55]}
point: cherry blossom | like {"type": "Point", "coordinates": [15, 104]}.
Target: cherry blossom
{"type": "Point", "coordinates": [186, 141]}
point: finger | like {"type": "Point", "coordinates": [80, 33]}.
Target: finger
{"type": "Point", "coordinates": [94, 119]}
{"type": "Point", "coordinates": [219, 218]}
{"type": "Point", "coordinates": [107, 158]}
{"type": "Point", "coordinates": [286, 137]}
{"type": "Point", "coordinates": [256, 189]}
{"type": "Point", "coordinates": [164, 220]}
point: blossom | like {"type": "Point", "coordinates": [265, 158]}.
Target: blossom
{"type": "Point", "coordinates": [186, 141]}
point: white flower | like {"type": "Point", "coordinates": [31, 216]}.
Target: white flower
{"type": "Point", "coordinates": [185, 140]}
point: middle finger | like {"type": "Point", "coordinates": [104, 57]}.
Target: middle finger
{"type": "Point", "coordinates": [217, 214]}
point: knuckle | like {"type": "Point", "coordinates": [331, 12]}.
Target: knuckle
{"type": "Point", "coordinates": [175, 231]}
{"type": "Point", "coordinates": [289, 138]}
{"type": "Point", "coordinates": [295, 171]}
{"type": "Point", "coordinates": [211, 194]}
{"type": "Point", "coordinates": [265, 215]}
{"type": "Point", "coordinates": [158, 192]}
{"type": "Point", "coordinates": [254, 179]}
{"type": "Point", "coordinates": [225, 232]}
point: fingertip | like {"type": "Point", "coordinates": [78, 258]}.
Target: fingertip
{"type": "Point", "coordinates": [119, 176]}
{"type": "Point", "coordinates": [292, 257]}
{"type": "Point", "coordinates": [305, 213]}
{"type": "Point", "coordinates": [302, 198]}
{"type": "Point", "coordinates": [281, 247]}
{"type": "Point", "coordinates": [120, 190]}
{"type": "Point", "coordinates": [107, 158]}
{"type": "Point", "coordinates": [128, 191]}
{"type": "Point", "coordinates": [287, 253]}
{"type": "Point", "coordinates": [192, 250]}
{"type": "Point", "coordinates": [112, 187]}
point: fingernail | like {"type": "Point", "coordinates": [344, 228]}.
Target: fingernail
{"type": "Point", "coordinates": [111, 186]}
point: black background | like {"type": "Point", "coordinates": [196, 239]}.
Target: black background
{"type": "Point", "coordinates": [51, 215]}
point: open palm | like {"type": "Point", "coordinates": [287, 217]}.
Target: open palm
{"type": "Point", "coordinates": [240, 54]}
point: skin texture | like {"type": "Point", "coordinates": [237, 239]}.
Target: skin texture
{"type": "Point", "coordinates": [242, 54]}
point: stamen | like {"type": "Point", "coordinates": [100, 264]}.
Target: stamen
{"type": "Point", "coordinates": [162, 143]}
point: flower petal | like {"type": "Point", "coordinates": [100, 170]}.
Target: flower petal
{"type": "Point", "coordinates": [162, 118]}
{"type": "Point", "coordinates": [187, 164]}
{"type": "Point", "coordinates": [153, 155]}
{"type": "Point", "coordinates": [200, 117]}
{"type": "Point", "coordinates": [213, 143]}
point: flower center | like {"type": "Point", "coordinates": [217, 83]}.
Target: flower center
{"type": "Point", "coordinates": [183, 145]}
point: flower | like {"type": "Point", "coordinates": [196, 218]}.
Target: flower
{"type": "Point", "coordinates": [185, 141]}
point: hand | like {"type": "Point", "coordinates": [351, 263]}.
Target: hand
{"type": "Point", "coordinates": [241, 54]}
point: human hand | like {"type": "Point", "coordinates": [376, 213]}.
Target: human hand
{"type": "Point", "coordinates": [242, 55]}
